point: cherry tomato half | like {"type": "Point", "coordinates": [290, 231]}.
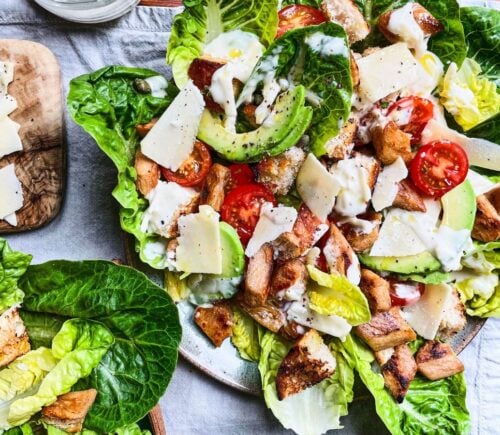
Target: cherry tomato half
{"type": "Point", "coordinates": [194, 169]}
{"type": "Point", "coordinates": [241, 208]}
{"type": "Point", "coordinates": [420, 111]}
{"type": "Point", "coordinates": [405, 293]}
{"type": "Point", "coordinates": [438, 167]}
{"type": "Point", "coordinates": [295, 16]}
{"type": "Point", "coordinates": [241, 174]}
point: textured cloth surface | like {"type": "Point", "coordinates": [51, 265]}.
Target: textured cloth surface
{"type": "Point", "coordinates": [88, 227]}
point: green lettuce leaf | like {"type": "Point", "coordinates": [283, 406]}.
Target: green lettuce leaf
{"type": "Point", "coordinates": [313, 3]}
{"type": "Point", "coordinates": [204, 20]}
{"type": "Point", "coordinates": [436, 407]}
{"type": "Point", "coordinates": [108, 107]}
{"type": "Point", "coordinates": [335, 295]}
{"type": "Point", "coordinates": [246, 335]}
{"type": "Point", "coordinates": [13, 264]}
{"type": "Point", "coordinates": [303, 57]}
{"type": "Point", "coordinates": [315, 410]}
{"type": "Point", "coordinates": [134, 373]}
{"type": "Point", "coordinates": [79, 346]}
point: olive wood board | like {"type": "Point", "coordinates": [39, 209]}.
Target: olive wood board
{"type": "Point", "coordinates": [40, 166]}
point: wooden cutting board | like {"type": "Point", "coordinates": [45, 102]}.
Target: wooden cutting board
{"type": "Point", "coordinates": [41, 165]}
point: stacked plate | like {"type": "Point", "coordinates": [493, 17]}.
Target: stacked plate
{"type": "Point", "coordinates": [88, 11]}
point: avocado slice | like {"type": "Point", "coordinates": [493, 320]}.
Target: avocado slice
{"type": "Point", "coordinates": [233, 255]}
{"type": "Point", "coordinates": [459, 207]}
{"type": "Point", "coordinates": [420, 263]}
{"type": "Point", "coordinates": [287, 127]}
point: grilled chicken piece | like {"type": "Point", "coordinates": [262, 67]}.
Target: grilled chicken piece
{"type": "Point", "coordinates": [216, 322]}
{"type": "Point", "coordinates": [289, 280]}
{"type": "Point", "coordinates": [201, 72]}
{"type": "Point", "coordinates": [425, 20]}
{"type": "Point", "coordinates": [360, 241]}
{"type": "Point", "coordinates": [68, 412]}
{"type": "Point", "coordinates": [371, 164]}
{"type": "Point", "coordinates": [376, 289]}
{"type": "Point", "coordinates": [390, 142]}
{"type": "Point", "coordinates": [307, 230]}
{"type": "Point", "coordinates": [340, 257]}
{"type": "Point", "coordinates": [292, 330]}
{"type": "Point", "coordinates": [436, 360]}
{"type": "Point", "coordinates": [341, 145]}
{"type": "Point", "coordinates": [214, 188]}
{"type": "Point", "coordinates": [408, 198]}
{"type": "Point", "coordinates": [453, 320]}
{"type": "Point", "coordinates": [148, 173]}
{"type": "Point", "coordinates": [354, 70]}
{"type": "Point", "coordinates": [258, 277]}
{"type": "Point", "coordinates": [14, 340]}
{"type": "Point", "coordinates": [144, 129]}
{"type": "Point", "coordinates": [487, 223]}
{"type": "Point", "coordinates": [399, 370]}
{"type": "Point", "coordinates": [386, 329]}
{"type": "Point", "coordinates": [267, 315]}
{"type": "Point", "coordinates": [172, 230]}
{"type": "Point", "coordinates": [278, 173]}
{"type": "Point", "coordinates": [346, 13]}
{"type": "Point", "coordinates": [307, 363]}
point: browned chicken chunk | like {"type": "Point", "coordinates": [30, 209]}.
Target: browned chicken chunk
{"type": "Point", "coordinates": [68, 412]}
{"type": "Point", "coordinates": [347, 14]}
{"type": "Point", "coordinates": [216, 321]}
{"type": "Point", "coordinates": [372, 165]}
{"type": "Point", "coordinates": [258, 277]}
{"type": "Point", "coordinates": [267, 315]}
{"type": "Point", "coordinates": [386, 329]}
{"type": "Point", "coordinates": [487, 223]}
{"type": "Point", "coordinates": [376, 289]}
{"type": "Point", "coordinates": [453, 320]}
{"type": "Point", "coordinates": [339, 255]}
{"type": "Point", "coordinates": [436, 360]}
{"type": "Point", "coordinates": [292, 330]}
{"type": "Point", "coordinates": [354, 70]}
{"type": "Point", "coordinates": [14, 340]}
{"type": "Point", "coordinates": [148, 173]}
{"type": "Point", "coordinates": [390, 143]}
{"type": "Point", "coordinates": [215, 184]}
{"type": "Point", "coordinates": [289, 280]}
{"type": "Point", "coordinates": [307, 363]}
{"type": "Point", "coordinates": [144, 129]}
{"type": "Point", "coordinates": [408, 198]}
{"type": "Point", "coordinates": [359, 240]}
{"type": "Point", "coordinates": [172, 229]}
{"type": "Point", "coordinates": [341, 145]}
{"type": "Point", "coordinates": [399, 371]}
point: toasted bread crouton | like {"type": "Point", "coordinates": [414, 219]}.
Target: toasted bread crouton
{"type": "Point", "coordinates": [436, 360]}
{"type": "Point", "coordinates": [340, 257]}
{"type": "Point", "coordinates": [386, 329]}
{"type": "Point", "coordinates": [307, 363]}
{"type": "Point", "coordinates": [258, 276]}
{"type": "Point", "coordinates": [376, 289]}
{"type": "Point", "coordinates": [289, 280]}
{"type": "Point", "coordinates": [453, 320]}
{"type": "Point", "coordinates": [359, 240]}
{"type": "Point", "coordinates": [347, 14]}
{"type": "Point", "coordinates": [214, 187]}
{"type": "Point", "coordinates": [399, 371]}
{"type": "Point", "coordinates": [341, 145]}
{"type": "Point", "coordinates": [382, 356]}
{"type": "Point", "coordinates": [148, 173]}
{"type": "Point", "coordinates": [14, 340]}
{"type": "Point", "coordinates": [390, 143]}
{"type": "Point", "coordinates": [487, 223]}
{"type": "Point", "coordinates": [215, 321]}
{"type": "Point", "coordinates": [408, 198]}
{"type": "Point", "coordinates": [278, 173]}
{"type": "Point", "coordinates": [68, 412]}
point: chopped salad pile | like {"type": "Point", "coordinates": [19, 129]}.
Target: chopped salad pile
{"type": "Point", "coordinates": [321, 181]}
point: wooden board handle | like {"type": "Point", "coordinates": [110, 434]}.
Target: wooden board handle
{"type": "Point", "coordinates": [156, 420]}
{"type": "Point", "coordinates": [165, 3]}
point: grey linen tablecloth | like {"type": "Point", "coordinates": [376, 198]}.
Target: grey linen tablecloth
{"type": "Point", "coordinates": [88, 228]}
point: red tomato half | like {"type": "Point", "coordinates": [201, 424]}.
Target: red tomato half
{"type": "Point", "coordinates": [194, 169]}
{"type": "Point", "coordinates": [295, 16]}
{"type": "Point", "coordinates": [241, 208]}
{"type": "Point", "coordinates": [241, 174]}
{"type": "Point", "coordinates": [405, 293]}
{"type": "Point", "coordinates": [421, 112]}
{"type": "Point", "coordinates": [438, 167]}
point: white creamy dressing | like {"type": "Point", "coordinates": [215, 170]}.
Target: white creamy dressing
{"type": "Point", "coordinates": [362, 226]}
{"type": "Point", "coordinates": [158, 85]}
{"type": "Point", "coordinates": [402, 23]}
{"type": "Point", "coordinates": [386, 187]}
{"type": "Point", "coordinates": [327, 45]}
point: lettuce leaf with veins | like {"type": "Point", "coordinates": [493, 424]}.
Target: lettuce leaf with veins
{"type": "Point", "coordinates": [204, 20]}
{"type": "Point", "coordinates": [246, 335]}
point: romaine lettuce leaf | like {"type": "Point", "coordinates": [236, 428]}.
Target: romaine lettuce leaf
{"type": "Point", "coordinates": [246, 335]}
{"type": "Point", "coordinates": [315, 410]}
{"type": "Point", "coordinates": [313, 3]}
{"type": "Point", "coordinates": [13, 264]}
{"type": "Point", "coordinates": [203, 20]}
{"type": "Point", "coordinates": [335, 295]}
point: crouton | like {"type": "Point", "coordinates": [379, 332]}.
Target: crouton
{"type": "Point", "coordinates": [267, 315]}
{"type": "Point", "coordinates": [341, 145]}
{"type": "Point", "coordinates": [216, 321]}
{"type": "Point", "coordinates": [354, 70]}
{"type": "Point", "coordinates": [453, 320]}
{"type": "Point", "coordinates": [487, 224]}
{"type": "Point", "coordinates": [289, 280]}
{"type": "Point", "coordinates": [307, 363]}
{"type": "Point", "coordinates": [371, 164]}
{"type": "Point", "coordinates": [340, 258]}
{"type": "Point", "coordinates": [68, 412]}
{"type": "Point", "coordinates": [258, 276]}
{"type": "Point", "coordinates": [390, 143]}
{"type": "Point", "coordinates": [408, 198]}
{"type": "Point", "coordinates": [436, 360]}
{"type": "Point", "coordinates": [359, 240]}
{"type": "Point", "coordinates": [278, 173]}
{"type": "Point", "coordinates": [347, 14]}
{"type": "Point", "coordinates": [399, 371]}
{"type": "Point", "coordinates": [376, 289]}
{"type": "Point", "coordinates": [148, 173]}
{"type": "Point", "coordinates": [214, 187]}
{"type": "Point", "coordinates": [14, 340]}
{"type": "Point", "coordinates": [385, 329]}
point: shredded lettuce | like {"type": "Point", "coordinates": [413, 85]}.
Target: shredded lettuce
{"type": "Point", "coordinates": [246, 335]}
